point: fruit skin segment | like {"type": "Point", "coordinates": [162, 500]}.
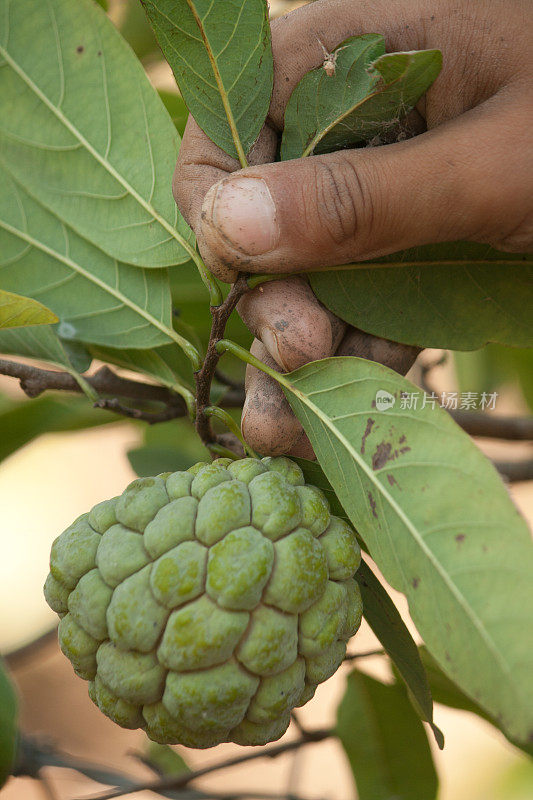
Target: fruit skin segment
{"type": "Point", "coordinates": [204, 605]}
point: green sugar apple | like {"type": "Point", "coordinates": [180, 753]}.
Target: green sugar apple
{"type": "Point", "coordinates": [203, 606]}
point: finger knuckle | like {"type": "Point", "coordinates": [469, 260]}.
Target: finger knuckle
{"type": "Point", "coordinates": [343, 204]}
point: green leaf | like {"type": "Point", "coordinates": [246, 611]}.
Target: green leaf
{"type": "Point", "coordinates": [97, 299]}
{"type": "Point", "coordinates": [175, 105]}
{"type": "Point", "coordinates": [8, 725]}
{"type": "Point", "coordinates": [388, 626]}
{"type": "Point", "coordinates": [385, 742]}
{"type": "Point", "coordinates": [465, 566]}
{"type": "Point", "coordinates": [164, 760]}
{"type": "Point", "coordinates": [458, 296]}
{"type": "Point", "coordinates": [168, 447]}
{"type": "Point", "coordinates": [167, 364]}
{"type": "Point", "coordinates": [21, 422]}
{"type": "Point", "coordinates": [44, 344]}
{"type": "Point", "coordinates": [494, 366]}
{"type": "Point", "coordinates": [222, 60]}
{"type": "Point", "coordinates": [447, 693]}
{"type": "Point", "coordinates": [368, 93]}
{"type": "Point", "coordinates": [84, 131]}
{"type": "Point", "coordinates": [17, 311]}
{"type": "Point", "coordinates": [134, 27]}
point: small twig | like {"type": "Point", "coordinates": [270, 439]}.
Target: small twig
{"type": "Point", "coordinates": [184, 780]}
{"type": "Point", "coordinates": [494, 426]}
{"type": "Point", "coordinates": [515, 471]}
{"type": "Point", "coordinates": [367, 654]}
{"type": "Point", "coordinates": [204, 377]}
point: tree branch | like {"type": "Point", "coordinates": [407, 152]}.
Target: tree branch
{"type": "Point", "coordinates": [183, 780]}
{"type": "Point", "coordinates": [493, 426]}
{"type": "Point", "coordinates": [204, 377]}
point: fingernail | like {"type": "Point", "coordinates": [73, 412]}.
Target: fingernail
{"type": "Point", "coordinates": [270, 340]}
{"type": "Point", "coordinates": [243, 212]}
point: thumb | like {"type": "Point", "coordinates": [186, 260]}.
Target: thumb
{"type": "Point", "coordinates": [443, 185]}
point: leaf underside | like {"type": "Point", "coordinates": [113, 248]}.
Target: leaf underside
{"type": "Point", "coordinates": [465, 566]}
{"type": "Point", "coordinates": [457, 295]}
{"type": "Point", "coordinates": [385, 742]}
{"type": "Point", "coordinates": [84, 131]}
{"type": "Point", "coordinates": [96, 298]}
{"type": "Point", "coordinates": [221, 58]}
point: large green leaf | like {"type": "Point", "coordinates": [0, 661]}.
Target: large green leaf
{"type": "Point", "coordinates": [17, 311]}
{"type": "Point", "coordinates": [44, 344]}
{"type": "Point", "coordinates": [388, 626]}
{"type": "Point", "coordinates": [82, 128]}
{"type": "Point", "coordinates": [167, 364]}
{"type": "Point", "coordinates": [21, 422]}
{"type": "Point", "coordinates": [437, 521]}
{"type": "Point", "coordinates": [385, 742]}
{"type": "Point", "coordinates": [97, 299]}
{"type": "Point", "coordinates": [8, 725]}
{"type": "Point", "coordinates": [457, 295]}
{"type": "Point", "coordinates": [222, 60]}
{"type": "Point", "coordinates": [368, 93]}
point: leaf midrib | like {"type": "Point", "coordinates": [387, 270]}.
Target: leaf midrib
{"type": "Point", "coordinates": [324, 418]}
{"type": "Point", "coordinates": [220, 86]}
{"type": "Point", "coordinates": [94, 153]}
{"type": "Point", "coordinates": [101, 284]}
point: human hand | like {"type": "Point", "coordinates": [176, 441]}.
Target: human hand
{"type": "Point", "coordinates": [469, 176]}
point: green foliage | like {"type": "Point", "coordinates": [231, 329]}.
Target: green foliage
{"type": "Point", "coordinates": [385, 742]}
{"type": "Point", "coordinates": [458, 296]}
{"type": "Point", "coordinates": [221, 58]}
{"type": "Point", "coordinates": [23, 421]}
{"type": "Point", "coordinates": [8, 725]}
{"type": "Point", "coordinates": [45, 345]}
{"type": "Point", "coordinates": [175, 105]}
{"type": "Point", "coordinates": [88, 136]}
{"type": "Point", "coordinates": [494, 367]}
{"type": "Point", "coordinates": [167, 447]}
{"type": "Point", "coordinates": [369, 92]}
{"type": "Point", "coordinates": [17, 311]}
{"type": "Point", "coordinates": [388, 626]}
{"type": "Point", "coordinates": [395, 473]}
{"type": "Point", "coordinates": [164, 760]}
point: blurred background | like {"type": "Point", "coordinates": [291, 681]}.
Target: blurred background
{"type": "Point", "coordinates": [48, 478]}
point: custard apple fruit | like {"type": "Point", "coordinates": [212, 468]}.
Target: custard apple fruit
{"type": "Point", "coordinates": [204, 605]}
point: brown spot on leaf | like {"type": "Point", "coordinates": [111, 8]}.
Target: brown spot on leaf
{"type": "Point", "coordinates": [392, 480]}
{"type": "Point", "coordinates": [369, 425]}
{"type": "Point", "coordinates": [402, 438]}
{"type": "Point", "coordinates": [382, 455]}
{"type": "Point", "coordinates": [447, 656]}
{"type": "Point", "coordinates": [80, 48]}
{"type": "Point", "coordinates": [415, 582]}
{"type": "Point", "coordinates": [460, 538]}
{"type": "Point", "coordinates": [372, 504]}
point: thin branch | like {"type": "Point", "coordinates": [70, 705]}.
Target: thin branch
{"type": "Point", "coordinates": [515, 471]}
{"type": "Point", "coordinates": [204, 377]}
{"type": "Point", "coordinates": [494, 426]}
{"type": "Point", "coordinates": [367, 654]}
{"type": "Point", "coordinates": [184, 780]}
